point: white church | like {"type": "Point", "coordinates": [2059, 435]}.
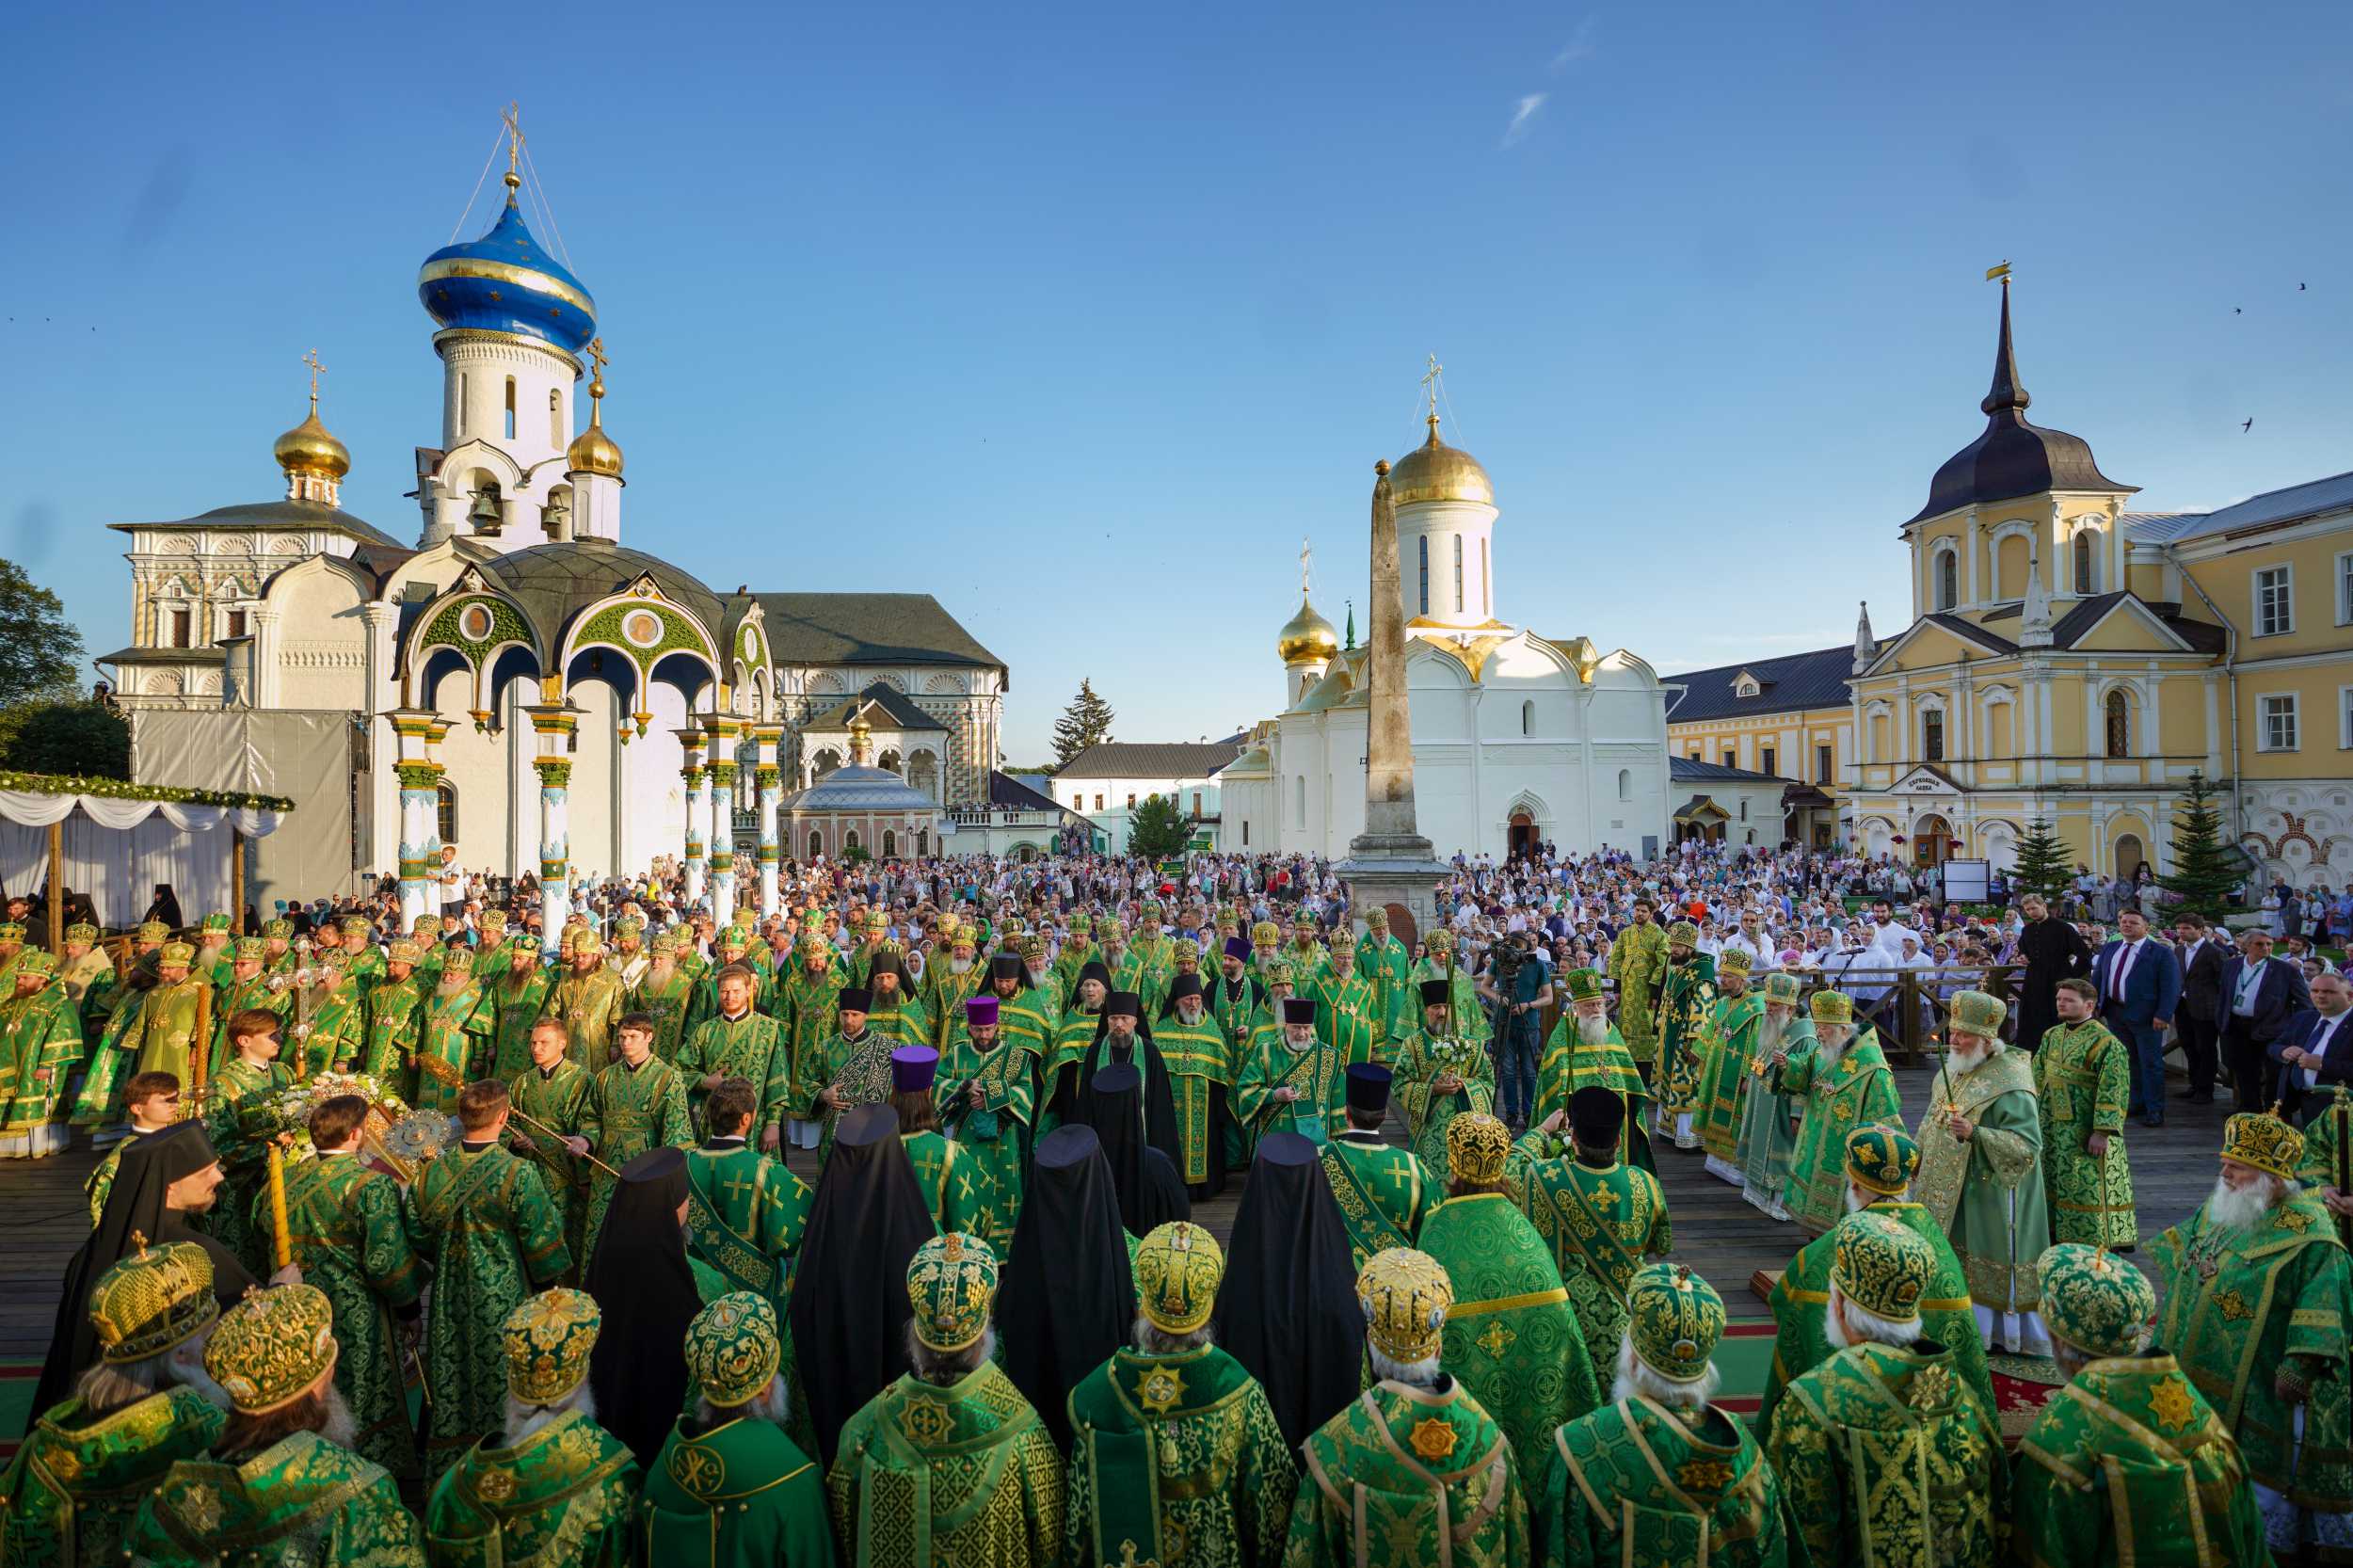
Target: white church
{"type": "Point", "coordinates": [1519, 739]}
{"type": "Point", "coordinates": [518, 690]}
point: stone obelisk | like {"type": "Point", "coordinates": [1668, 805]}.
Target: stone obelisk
{"type": "Point", "coordinates": [1389, 863]}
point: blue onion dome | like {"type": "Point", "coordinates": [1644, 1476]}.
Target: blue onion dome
{"type": "Point", "coordinates": [504, 283]}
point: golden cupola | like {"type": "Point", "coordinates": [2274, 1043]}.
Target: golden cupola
{"type": "Point", "coordinates": [592, 451]}
{"type": "Point", "coordinates": [1436, 471]}
{"type": "Point", "coordinates": [316, 462]}
{"type": "Point", "coordinates": [1307, 638]}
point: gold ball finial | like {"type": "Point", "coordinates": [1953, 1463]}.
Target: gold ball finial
{"type": "Point", "coordinates": [1381, 467]}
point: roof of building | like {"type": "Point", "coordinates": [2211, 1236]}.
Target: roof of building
{"type": "Point", "coordinates": [1149, 760]}
{"type": "Point", "coordinates": [255, 515]}
{"type": "Point", "coordinates": [136, 655]}
{"type": "Point", "coordinates": [859, 788]}
{"type": "Point", "coordinates": [2012, 456]}
{"type": "Point", "coordinates": [1008, 794]}
{"type": "Point", "coordinates": [902, 713]}
{"type": "Point", "coordinates": [2158, 527]}
{"type": "Point", "coordinates": [553, 582]}
{"type": "Point", "coordinates": [868, 629]}
{"type": "Point", "coordinates": [1690, 770]}
{"type": "Point", "coordinates": [2077, 623]}
{"type": "Point", "coordinates": [2288, 504]}
{"type": "Point", "coordinates": [1786, 684]}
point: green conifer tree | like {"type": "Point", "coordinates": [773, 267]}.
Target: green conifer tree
{"type": "Point", "coordinates": [2042, 865]}
{"type": "Point", "coordinates": [2204, 876]}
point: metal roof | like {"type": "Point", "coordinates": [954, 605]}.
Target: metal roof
{"type": "Point", "coordinates": [2290, 504]}
{"type": "Point", "coordinates": [902, 714]}
{"type": "Point", "coordinates": [1147, 760]}
{"type": "Point", "coordinates": [1690, 770]}
{"type": "Point", "coordinates": [1789, 682]}
{"type": "Point", "coordinates": [259, 515]}
{"type": "Point", "coordinates": [868, 629]}
{"type": "Point", "coordinates": [860, 789]}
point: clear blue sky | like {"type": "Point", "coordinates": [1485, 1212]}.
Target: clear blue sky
{"type": "Point", "coordinates": [1080, 317]}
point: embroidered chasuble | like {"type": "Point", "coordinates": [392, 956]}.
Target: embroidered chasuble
{"type": "Point", "coordinates": [1638, 965]}
{"type": "Point", "coordinates": [1199, 1080]}
{"type": "Point", "coordinates": [746, 1213]}
{"type": "Point", "coordinates": [394, 1015]}
{"type": "Point", "coordinates": [558, 1100]}
{"type": "Point", "coordinates": [589, 1006]}
{"type": "Point", "coordinates": [517, 1007]}
{"type": "Point", "coordinates": [1404, 1477]}
{"type": "Point", "coordinates": [565, 1495]}
{"type": "Point", "coordinates": [750, 1048]}
{"type": "Point", "coordinates": [1687, 1005]}
{"type": "Point", "coordinates": [41, 1042]}
{"type": "Point", "coordinates": [738, 1495]}
{"type": "Point", "coordinates": [1571, 1063]}
{"type": "Point", "coordinates": [70, 1496]}
{"type": "Point", "coordinates": [2081, 1082]}
{"type": "Point", "coordinates": [1988, 1193]}
{"type": "Point", "coordinates": [994, 1136]}
{"type": "Point", "coordinates": [628, 1113]}
{"type": "Point", "coordinates": [1320, 1073]}
{"type": "Point", "coordinates": [1420, 1059]}
{"type": "Point", "coordinates": [1726, 1058]}
{"type": "Point", "coordinates": [1857, 1090]}
{"type": "Point", "coordinates": [1768, 1118]}
{"type": "Point", "coordinates": [454, 1046]}
{"type": "Point", "coordinates": [926, 1475]}
{"type": "Point", "coordinates": [300, 1503]}
{"type": "Point", "coordinates": [1635, 1482]}
{"type": "Point", "coordinates": [1381, 1190]}
{"type": "Point", "coordinates": [1601, 1225]}
{"type": "Point", "coordinates": [1511, 1338]}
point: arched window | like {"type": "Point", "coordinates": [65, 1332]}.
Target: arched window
{"type": "Point", "coordinates": [1625, 783]}
{"type": "Point", "coordinates": [445, 812]}
{"type": "Point", "coordinates": [1458, 574]}
{"type": "Point", "coordinates": [2083, 563]}
{"type": "Point", "coordinates": [923, 841]}
{"type": "Point", "coordinates": [1527, 718]}
{"type": "Point", "coordinates": [555, 417]}
{"type": "Point", "coordinates": [1948, 578]}
{"type": "Point", "coordinates": [2120, 725]}
{"type": "Point", "coordinates": [510, 408]}
{"type": "Point", "coordinates": [1424, 542]}
{"type": "Point", "coordinates": [1932, 736]}
{"type": "Point", "coordinates": [890, 844]}
{"type": "Point", "coordinates": [849, 840]}
{"type": "Point", "coordinates": [816, 846]}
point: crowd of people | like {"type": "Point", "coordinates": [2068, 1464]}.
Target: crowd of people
{"type": "Point", "coordinates": [863, 1232]}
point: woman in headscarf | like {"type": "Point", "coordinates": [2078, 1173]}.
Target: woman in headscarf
{"type": "Point", "coordinates": [162, 1179]}
{"type": "Point", "coordinates": [1068, 1298]}
{"type": "Point", "coordinates": [1287, 1309]}
{"type": "Point", "coordinates": [164, 906]}
{"type": "Point", "coordinates": [850, 1306]}
{"type": "Point", "coordinates": [645, 1286]}
{"type": "Point", "coordinates": [1151, 1190]}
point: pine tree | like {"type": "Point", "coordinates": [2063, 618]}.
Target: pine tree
{"type": "Point", "coordinates": [2043, 867]}
{"type": "Point", "coordinates": [1156, 830]}
{"type": "Point", "coordinates": [2203, 876]}
{"type": "Point", "coordinates": [1086, 722]}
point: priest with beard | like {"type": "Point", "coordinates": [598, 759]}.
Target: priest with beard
{"type": "Point", "coordinates": [163, 1183]}
{"type": "Point", "coordinates": [1768, 1114]}
{"type": "Point", "coordinates": [1233, 997]}
{"type": "Point", "coordinates": [1067, 1294]}
{"type": "Point", "coordinates": [1287, 1309]}
{"type": "Point", "coordinates": [649, 1290]}
{"type": "Point", "coordinates": [1122, 1039]}
{"type": "Point", "coordinates": [1981, 1173]}
{"type": "Point", "coordinates": [1844, 1082]}
{"type": "Point", "coordinates": [1586, 1051]}
{"type": "Point", "coordinates": [1201, 1065]}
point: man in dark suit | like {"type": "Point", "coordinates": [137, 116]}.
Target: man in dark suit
{"type": "Point", "coordinates": [2315, 1052]}
{"type": "Point", "coordinates": [2260, 996]}
{"type": "Point", "coordinates": [2201, 956]}
{"type": "Point", "coordinates": [2140, 986]}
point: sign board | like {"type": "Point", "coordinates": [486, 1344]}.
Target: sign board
{"type": "Point", "coordinates": [1968, 881]}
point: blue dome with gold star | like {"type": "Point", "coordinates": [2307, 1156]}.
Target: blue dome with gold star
{"type": "Point", "coordinates": [504, 283]}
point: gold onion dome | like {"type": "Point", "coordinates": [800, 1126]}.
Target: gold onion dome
{"type": "Point", "coordinates": [1436, 471]}
{"type": "Point", "coordinates": [310, 448]}
{"type": "Point", "coordinates": [592, 451]}
{"type": "Point", "coordinates": [1307, 637]}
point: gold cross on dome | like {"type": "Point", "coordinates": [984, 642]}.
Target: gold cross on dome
{"type": "Point", "coordinates": [513, 116]}
{"type": "Point", "coordinates": [1430, 383]}
{"type": "Point", "coordinates": [596, 353]}
{"type": "Point", "coordinates": [1307, 562]}
{"type": "Point", "coordinates": [317, 370]}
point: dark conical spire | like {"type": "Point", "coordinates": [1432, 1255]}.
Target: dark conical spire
{"type": "Point", "coordinates": [2005, 395]}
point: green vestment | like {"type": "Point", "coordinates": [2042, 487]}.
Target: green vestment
{"type": "Point", "coordinates": [1637, 1482]}
{"type": "Point", "coordinates": [1601, 1225]}
{"type": "Point", "coordinates": [68, 1498]}
{"type": "Point", "coordinates": [112, 1059]}
{"type": "Point", "coordinates": [102, 1180]}
{"type": "Point", "coordinates": [750, 1048]}
{"type": "Point", "coordinates": [809, 1012]}
{"type": "Point", "coordinates": [2129, 1464]}
{"type": "Point", "coordinates": [1727, 1051]}
{"type": "Point", "coordinates": [484, 1222]}
{"type": "Point", "coordinates": [1512, 1337]}
{"type": "Point", "coordinates": [1197, 1059]}
{"type": "Point", "coordinates": [395, 1017]}
{"type": "Point", "coordinates": [737, 1494]}
{"type": "Point", "coordinates": [455, 1045]}
{"type": "Point", "coordinates": [900, 1020]}
{"type": "Point", "coordinates": [558, 1100]}
{"type": "Point", "coordinates": [1768, 1118]}
{"type": "Point", "coordinates": [860, 1068]}
{"type": "Point", "coordinates": [1987, 1192]}
{"type": "Point", "coordinates": [1687, 1005]}
{"type": "Point", "coordinates": [1857, 1090]}
{"type": "Point", "coordinates": [241, 1116]}
{"type": "Point", "coordinates": [519, 1004]}
{"type": "Point", "coordinates": [628, 1112]}
{"type": "Point", "coordinates": [2081, 1079]}
{"type": "Point", "coordinates": [41, 1042]}
{"type": "Point", "coordinates": [1318, 1072]}
{"type": "Point", "coordinates": [1383, 1191]}
{"type": "Point", "coordinates": [1638, 963]}
{"type": "Point", "coordinates": [589, 1006]}
{"type": "Point", "coordinates": [562, 1497]}
{"type": "Point", "coordinates": [1800, 1299]}
{"type": "Point", "coordinates": [744, 1216]}
{"type": "Point", "coordinates": [165, 1028]}
{"type": "Point", "coordinates": [300, 1503]}
{"type": "Point", "coordinates": [1404, 1477]}
{"type": "Point", "coordinates": [335, 1034]}
{"type": "Point", "coordinates": [1349, 1017]}
{"type": "Point", "coordinates": [240, 996]}
{"type": "Point", "coordinates": [1889, 1460]}
{"type": "Point", "coordinates": [964, 1473]}
{"type": "Point", "coordinates": [995, 1134]}
{"type": "Point", "coordinates": [954, 1188]}
{"type": "Point", "coordinates": [1571, 1063]}
{"type": "Point", "coordinates": [1469, 1015]}
{"type": "Point", "coordinates": [1175, 1458]}
{"type": "Point", "coordinates": [944, 995]}
{"type": "Point", "coordinates": [1420, 1059]}
{"type": "Point", "coordinates": [664, 1001]}
{"type": "Point", "coordinates": [1388, 967]}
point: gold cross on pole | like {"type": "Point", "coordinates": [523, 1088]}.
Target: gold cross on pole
{"type": "Point", "coordinates": [1430, 383]}
{"type": "Point", "coordinates": [596, 352]}
{"type": "Point", "coordinates": [1306, 561]}
{"type": "Point", "coordinates": [513, 116]}
{"type": "Point", "coordinates": [317, 370]}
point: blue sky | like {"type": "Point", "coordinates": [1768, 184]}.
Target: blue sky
{"type": "Point", "coordinates": [1080, 317]}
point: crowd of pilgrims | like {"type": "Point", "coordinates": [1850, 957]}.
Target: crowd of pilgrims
{"type": "Point", "coordinates": [603, 1322]}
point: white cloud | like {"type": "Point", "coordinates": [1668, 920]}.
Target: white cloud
{"type": "Point", "coordinates": [1580, 46]}
{"type": "Point", "coordinates": [1522, 113]}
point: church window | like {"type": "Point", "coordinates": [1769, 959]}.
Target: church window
{"type": "Point", "coordinates": [1424, 542]}
{"type": "Point", "coordinates": [816, 846]}
{"type": "Point", "coordinates": [181, 628]}
{"type": "Point", "coordinates": [1458, 574]}
{"type": "Point", "coordinates": [510, 408]}
{"type": "Point", "coordinates": [2119, 726]}
{"type": "Point", "coordinates": [923, 841]}
{"type": "Point", "coordinates": [1732, 757]}
{"type": "Point", "coordinates": [1768, 757]}
{"type": "Point", "coordinates": [445, 812]}
{"type": "Point", "coordinates": [1822, 764]}
{"type": "Point", "coordinates": [890, 844]}
{"type": "Point", "coordinates": [1932, 735]}
{"type": "Point", "coordinates": [555, 417]}
{"type": "Point", "coordinates": [237, 623]}
{"type": "Point", "coordinates": [1527, 718]}
{"type": "Point", "coordinates": [1625, 783]}
{"type": "Point", "coordinates": [2275, 602]}
{"type": "Point", "coordinates": [849, 840]}
{"type": "Point", "coordinates": [1948, 578]}
{"type": "Point", "coordinates": [2278, 731]}
{"type": "Point", "coordinates": [2083, 563]}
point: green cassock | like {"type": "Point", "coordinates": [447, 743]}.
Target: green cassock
{"type": "Point", "coordinates": [241, 1116]}
{"type": "Point", "coordinates": [808, 1008]}
{"type": "Point", "coordinates": [900, 1020]}
{"type": "Point", "coordinates": [1198, 1070]}
{"type": "Point", "coordinates": [750, 1048]}
{"type": "Point", "coordinates": [394, 1011]}
{"type": "Point", "coordinates": [1512, 1337]}
{"type": "Point", "coordinates": [1857, 1090]}
{"type": "Point", "coordinates": [1383, 1191]}
{"type": "Point", "coordinates": [1987, 1192]}
{"type": "Point", "coordinates": [1727, 1050]}
{"type": "Point", "coordinates": [589, 1006]}
{"type": "Point", "coordinates": [347, 1230]}
{"type": "Point", "coordinates": [962, 1473]}
{"type": "Point", "coordinates": [165, 1028]}
{"type": "Point", "coordinates": [242, 996]}
{"type": "Point", "coordinates": [40, 1041]}
{"type": "Point", "coordinates": [2237, 1305]}
{"type": "Point", "coordinates": [558, 1100]}
{"type": "Point", "coordinates": [484, 1222]}
{"type": "Point", "coordinates": [300, 1503]}
{"type": "Point", "coordinates": [565, 1497]}
{"type": "Point", "coordinates": [2081, 1079]}
{"type": "Point", "coordinates": [1768, 1117]}
{"type": "Point", "coordinates": [628, 1112]}
{"type": "Point", "coordinates": [365, 963]}
{"type": "Point", "coordinates": [335, 1033]}
{"type": "Point", "coordinates": [1349, 1017]}
{"type": "Point", "coordinates": [1075, 956]}
{"type": "Point", "coordinates": [1800, 1299]}
{"type": "Point", "coordinates": [1469, 1017]}
{"type": "Point", "coordinates": [666, 1003]}
{"type": "Point", "coordinates": [1073, 1038]}
{"type": "Point", "coordinates": [860, 1069]}
{"type": "Point", "coordinates": [1319, 1071]}
{"type": "Point", "coordinates": [111, 1060]}
{"type": "Point", "coordinates": [944, 995]}
{"type": "Point", "coordinates": [737, 1494]}
{"type": "Point", "coordinates": [69, 1496]}
{"type": "Point", "coordinates": [1419, 1060]}
{"type": "Point", "coordinates": [1134, 972]}
{"type": "Point", "coordinates": [1637, 1482]}
{"type": "Point", "coordinates": [1638, 962]}
{"type": "Point", "coordinates": [1571, 1063]}
{"type": "Point", "coordinates": [1601, 1223]}
{"type": "Point", "coordinates": [994, 1135]}
{"type": "Point", "coordinates": [456, 1045]}
{"type": "Point", "coordinates": [1889, 1460]}
{"type": "Point", "coordinates": [518, 1000]}
{"type": "Point", "coordinates": [2327, 1159]}
{"type": "Point", "coordinates": [1384, 964]}
{"type": "Point", "coordinates": [2127, 1464]}
{"type": "Point", "coordinates": [954, 1187]}
{"type": "Point", "coordinates": [744, 1216]}
{"type": "Point", "coordinates": [1687, 1005]}
{"type": "Point", "coordinates": [1175, 1458]}
{"type": "Point", "coordinates": [102, 1180]}
{"type": "Point", "coordinates": [1404, 1477]}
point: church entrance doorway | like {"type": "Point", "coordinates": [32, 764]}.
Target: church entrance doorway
{"type": "Point", "coordinates": [1931, 841]}
{"type": "Point", "coordinates": [1522, 836]}
{"type": "Point", "coordinates": [2129, 855]}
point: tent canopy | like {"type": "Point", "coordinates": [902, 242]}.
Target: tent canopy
{"type": "Point", "coordinates": [115, 841]}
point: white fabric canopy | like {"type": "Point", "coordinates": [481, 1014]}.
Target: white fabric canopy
{"type": "Point", "coordinates": [116, 851]}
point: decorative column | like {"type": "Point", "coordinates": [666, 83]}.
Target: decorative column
{"type": "Point", "coordinates": [419, 778]}
{"type": "Point", "coordinates": [770, 781]}
{"type": "Point", "coordinates": [725, 730]}
{"type": "Point", "coordinates": [697, 809]}
{"type": "Point", "coordinates": [553, 724]}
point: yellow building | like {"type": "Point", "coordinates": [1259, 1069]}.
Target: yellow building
{"type": "Point", "coordinates": [2074, 662]}
{"type": "Point", "coordinates": [1789, 716]}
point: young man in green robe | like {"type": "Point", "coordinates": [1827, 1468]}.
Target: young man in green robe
{"type": "Point", "coordinates": [455, 1037]}
{"type": "Point", "coordinates": [637, 1104]}
{"type": "Point", "coordinates": [2258, 1294]}
{"type": "Point", "coordinates": [1687, 1005]}
{"type": "Point", "coordinates": [1417, 1471]}
{"type": "Point", "coordinates": [729, 1489]}
{"type": "Point", "coordinates": [482, 1217]}
{"type": "Point", "coordinates": [1200, 1082]}
{"type": "Point", "coordinates": [587, 1000]}
{"type": "Point", "coordinates": [519, 995]}
{"type": "Point", "coordinates": [1844, 1082]}
{"type": "Point", "coordinates": [1887, 1458]}
{"type": "Point", "coordinates": [1383, 1191]}
{"type": "Point", "coordinates": [1512, 1337]}
{"type": "Point", "coordinates": [1173, 1446]}
{"type": "Point", "coordinates": [2129, 1459]}
{"type": "Point", "coordinates": [550, 1098]}
{"type": "Point", "coordinates": [1602, 1501]}
{"type": "Point", "coordinates": [242, 1119]}
{"type": "Point", "coordinates": [1880, 1163]}
{"type": "Point", "coordinates": [850, 1068]}
{"type": "Point", "coordinates": [1600, 1218]}
{"type": "Point", "coordinates": [273, 1484]}
{"type": "Point", "coordinates": [346, 1231]}
{"type": "Point", "coordinates": [1981, 1172]}
{"type": "Point", "coordinates": [1440, 1074]}
{"type": "Point", "coordinates": [744, 1211]}
{"type": "Point", "coordinates": [1768, 1113]}
{"type": "Point", "coordinates": [1384, 964]}
{"type": "Point", "coordinates": [987, 1103]}
{"type": "Point", "coordinates": [552, 1485]}
{"type": "Point", "coordinates": [247, 987]}
{"type": "Point", "coordinates": [737, 1042]}
{"type": "Point", "coordinates": [1586, 1051]}
{"type": "Point", "coordinates": [1349, 1013]}
{"type": "Point", "coordinates": [1293, 1081]}
{"type": "Point", "coordinates": [1638, 967]}
{"type": "Point", "coordinates": [2082, 1080]}
{"type": "Point", "coordinates": [1727, 1052]}
{"type": "Point", "coordinates": [950, 1464]}
{"type": "Point", "coordinates": [40, 1044]}
{"type": "Point", "coordinates": [70, 1494]}
{"type": "Point", "coordinates": [394, 1011]}
{"type": "Point", "coordinates": [151, 1100]}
